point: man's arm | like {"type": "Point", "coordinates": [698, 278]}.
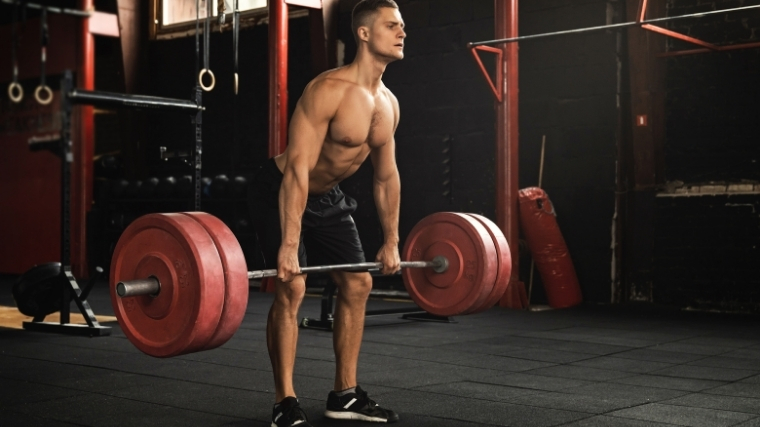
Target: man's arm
{"type": "Point", "coordinates": [387, 192]}
{"type": "Point", "coordinates": [307, 132]}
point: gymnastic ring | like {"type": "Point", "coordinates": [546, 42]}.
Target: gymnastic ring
{"type": "Point", "coordinates": [210, 87]}
{"type": "Point", "coordinates": [46, 89]}
{"type": "Point", "coordinates": [15, 87]}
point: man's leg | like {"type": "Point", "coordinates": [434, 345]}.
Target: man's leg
{"type": "Point", "coordinates": [348, 326]}
{"type": "Point", "coordinates": [282, 334]}
{"type": "Point", "coordinates": [348, 401]}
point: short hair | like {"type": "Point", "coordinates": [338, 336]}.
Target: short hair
{"type": "Point", "coordinates": [364, 10]}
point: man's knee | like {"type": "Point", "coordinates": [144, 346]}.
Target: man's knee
{"type": "Point", "coordinates": [291, 293]}
{"type": "Point", "coordinates": [354, 286]}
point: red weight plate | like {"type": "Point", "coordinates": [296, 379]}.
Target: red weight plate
{"type": "Point", "coordinates": [235, 277]}
{"type": "Point", "coordinates": [180, 253]}
{"type": "Point", "coordinates": [505, 263]}
{"type": "Point", "coordinates": [473, 263]}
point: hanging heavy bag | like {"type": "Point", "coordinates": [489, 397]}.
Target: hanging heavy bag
{"type": "Point", "coordinates": [547, 246]}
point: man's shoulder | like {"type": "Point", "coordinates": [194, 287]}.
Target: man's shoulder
{"type": "Point", "coordinates": [331, 81]}
{"type": "Point", "coordinates": [390, 94]}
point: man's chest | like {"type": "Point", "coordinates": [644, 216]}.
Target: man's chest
{"type": "Point", "coordinates": [360, 121]}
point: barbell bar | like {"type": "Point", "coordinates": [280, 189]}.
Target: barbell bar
{"type": "Point", "coordinates": [152, 286]}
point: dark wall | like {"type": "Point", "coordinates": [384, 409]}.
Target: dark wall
{"type": "Point", "coordinates": [706, 246]}
{"type": "Point", "coordinates": [712, 101]}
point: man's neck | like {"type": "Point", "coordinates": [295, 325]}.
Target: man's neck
{"type": "Point", "coordinates": [369, 70]}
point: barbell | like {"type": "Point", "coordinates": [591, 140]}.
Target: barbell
{"type": "Point", "coordinates": [179, 281]}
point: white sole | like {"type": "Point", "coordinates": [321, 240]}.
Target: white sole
{"type": "Point", "coordinates": [353, 416]}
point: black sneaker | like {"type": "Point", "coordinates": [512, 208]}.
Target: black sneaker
{"type": "Point", "coordinates": [288, 414]}
{"type": "Point", "coordinates": [357, 406]}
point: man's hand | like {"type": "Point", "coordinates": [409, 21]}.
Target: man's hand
{"type": "Point", "coordinates": [389, 256]}
{"type": "Point", "coordinates": [287, 263]}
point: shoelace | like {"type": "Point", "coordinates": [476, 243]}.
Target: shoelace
{"type": "Point", "coordinates": [363, 396]}
{"type": "Point", "coordinates": [295, 414]}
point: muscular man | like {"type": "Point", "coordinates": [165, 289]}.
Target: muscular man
{"type": "Point", "coordinates": [344, 116]}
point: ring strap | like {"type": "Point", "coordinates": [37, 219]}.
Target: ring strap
{"type": "Point", "coordinates": [236, 40]}
{"type": "Point", "coordinates": [44, 38]}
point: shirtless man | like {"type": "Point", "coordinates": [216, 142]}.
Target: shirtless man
{"type": "Point", "coordinates": [344, 116]}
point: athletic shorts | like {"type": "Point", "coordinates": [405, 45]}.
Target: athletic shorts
{"type": "Point", "coordinates": [328, 231]}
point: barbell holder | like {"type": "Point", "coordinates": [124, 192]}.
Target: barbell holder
{"type": "Point", "coordinates": [151, 285]}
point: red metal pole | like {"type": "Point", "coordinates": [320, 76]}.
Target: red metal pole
{"type": "Point", "coordinates": [278, 76]}
{"type": "Point", "coordinates": [507, 144]}
{"type": "Point", "coordinates": [83, 149]}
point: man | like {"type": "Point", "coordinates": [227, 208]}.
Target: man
{"type": "Point", "coordinates": [344, 116]}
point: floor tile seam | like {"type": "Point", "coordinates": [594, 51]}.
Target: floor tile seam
{"type": "Point", "coordinates": [531, 372]}
{"type": "Point", "coordinates": [73, 387]}
{"type": "Point", "coordinates": [133, 372]}
{"type": "Point", "coordinates": [169, 405]}
{"type": "Point", "coordinates": [696, 407]}
{"type": "Point", "coordinates": [568, 391]}
{"type": "Point", "coordinates": [90, 348]}
{"type": "Point", "coordinates": [577, 379]}
{"type": "Point", "coordinates": [52, 419]}
{"type": "Point", "coordinates": [409, 358]}
{"type": "Point", "coordinates": [582, 337]}
{"type": "Point", "coordinates": [703, 357]}
{"type": "Point", "coordinates": [563, 363]}
{"type": "Point", "coordinates": [420, 388]}
{"type": "Point", "coordinates": [698, 366]}
{"type": "Point", "coordinates": [452, 363]}
{"type": "Point", "coordinates": [51, 399]}
{"type": "Point", "coordinates": [614, 382]}
{"type": "Point", "coordinates": [499, 401]}
{"type": "Point", "coordinates": [713, 392]}
{"type": "Point", "coordinates": [552, 364]}
{"type": "Point", "coordinates": [703, 379]}
{"type": "Point", "coordinates": [739, 369]}
{"type": "Point", "coordinates": [642, 419]}
{"type": "Point", "coordinates": [665, 402]}
{"type": "Point", "coordinates": [627, 348]}
{"type": "Point", "coordinates": [453, 419]}
{"type": "Point", "coordinates": [609, 414]}
{"type": "Point", "coordinates": [707, 336]}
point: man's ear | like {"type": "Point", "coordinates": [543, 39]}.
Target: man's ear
{"type": "Point", "coordinates": [363, 33]}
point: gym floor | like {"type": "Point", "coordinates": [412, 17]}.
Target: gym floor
{"type": "Point", "coordinates": [586, 366]}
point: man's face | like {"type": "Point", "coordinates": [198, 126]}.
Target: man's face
{"type": "Point", "coordinates": [386, 36]}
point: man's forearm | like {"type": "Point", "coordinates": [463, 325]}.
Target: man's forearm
{"type": "Point", "coordinates": [387, 200]}
{"type": "Point", "coordinates": [293, 193]}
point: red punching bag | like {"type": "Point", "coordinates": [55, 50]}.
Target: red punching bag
{"type": "Point", "coordinates": [548, 248]}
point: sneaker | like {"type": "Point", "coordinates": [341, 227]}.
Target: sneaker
{"type": "Point", "coordinates": [288, 414]}
{"type": "Point", "coordinates": [357, 406]}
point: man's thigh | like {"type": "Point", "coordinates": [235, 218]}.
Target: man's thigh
{"type": "Point", "coordinates": [334, 242]}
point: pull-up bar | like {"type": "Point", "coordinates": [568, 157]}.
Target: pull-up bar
{"type": "Point", "coordinates": [608, 27]}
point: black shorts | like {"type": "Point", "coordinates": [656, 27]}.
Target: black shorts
{"type": "Point", "coordinates": [327, 229]}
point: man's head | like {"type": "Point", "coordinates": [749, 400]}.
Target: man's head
{"type": "Point", "coordinates": [378, 23]}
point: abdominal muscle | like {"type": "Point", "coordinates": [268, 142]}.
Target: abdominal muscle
{"type": "Point", "coordinates": [336, 162]}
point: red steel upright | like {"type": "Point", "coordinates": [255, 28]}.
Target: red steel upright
{"type": "Point", "coordinates": [83, 148]}
{"type": "Point", "coordinates": [278, 76]}
{"type": "Point", "coordinates": [507, 144]}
